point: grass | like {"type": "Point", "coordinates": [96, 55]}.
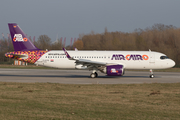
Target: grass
{"type": "Point", "coordinates": [51, 101]}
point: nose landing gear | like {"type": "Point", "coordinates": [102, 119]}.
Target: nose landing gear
{"type": "Point", "coordinates": [151, 74]}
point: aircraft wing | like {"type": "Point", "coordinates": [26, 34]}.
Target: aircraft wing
{"type": "Point", "coordinates": [89, 62]}
{"type": "Point", "coordinates": [85, 62]}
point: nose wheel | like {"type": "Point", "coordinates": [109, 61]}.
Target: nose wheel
{"type": "Point", "coordinates": [94, 75]}
{"type": "Point", "coordinates": [151, 74]}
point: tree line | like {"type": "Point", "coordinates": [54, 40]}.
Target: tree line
{"type": "Point", "coordinates": [159, 37]}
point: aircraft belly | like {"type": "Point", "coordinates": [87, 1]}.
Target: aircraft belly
{"type": "Point", "coordinates": [65, 64]}
{"type": "Point", "coordinates": [57, 63]}
{"type": "Point", "coordinates": [137, 65]}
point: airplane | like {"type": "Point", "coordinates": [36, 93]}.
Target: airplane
{"type": "Point", "coordinates": [112, 63]}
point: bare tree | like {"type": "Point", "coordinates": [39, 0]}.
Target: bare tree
{"type": "Point", "coordinates": [44, 42]}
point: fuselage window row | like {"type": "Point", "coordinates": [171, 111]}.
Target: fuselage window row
{"type": "Point", "coordinates": [75, 57]}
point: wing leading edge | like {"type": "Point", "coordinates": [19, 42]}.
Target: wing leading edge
{"type": "Point", "coordinates": [84, 62]}
{"type": "Point", "coordinates": [88, 63]}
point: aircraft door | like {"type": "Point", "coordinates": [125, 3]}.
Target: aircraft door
{"type": "Point", "coordinates": [152, 58]}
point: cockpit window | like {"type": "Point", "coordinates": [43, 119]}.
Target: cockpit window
{"type": "Point", "coordinates": [163, 57]}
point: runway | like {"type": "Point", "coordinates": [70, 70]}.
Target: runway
{"type": "Point", "coordinates": [83, 77]}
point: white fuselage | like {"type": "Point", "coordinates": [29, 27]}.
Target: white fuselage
{"type": "Point", "coordinates": [130, 59]}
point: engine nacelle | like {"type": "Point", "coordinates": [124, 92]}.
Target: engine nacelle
{"type": "Point", "coordinates": [114, 70]}
{"type": "Point", "coordinates": [81, 67]}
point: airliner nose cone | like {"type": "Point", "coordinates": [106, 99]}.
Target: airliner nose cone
{"type": "Point", "coordinates": [173, 63]}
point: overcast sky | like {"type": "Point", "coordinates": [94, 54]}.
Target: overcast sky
{"type": "Point", "coordinates": [69, 18]}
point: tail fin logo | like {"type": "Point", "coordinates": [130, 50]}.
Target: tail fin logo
{"type": "Point", "coordinates": [19, 38]}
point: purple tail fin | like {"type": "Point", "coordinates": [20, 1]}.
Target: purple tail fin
{"type": "Point", "coordinates": [20, 41]}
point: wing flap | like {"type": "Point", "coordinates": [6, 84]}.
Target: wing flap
{"type": "Point", "coordinates": [88, 63]}
{"type": "Point", "coordinates": [83, 62]}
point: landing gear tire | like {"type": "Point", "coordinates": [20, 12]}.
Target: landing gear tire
{"type": "Point", "coordinates": [151, 76]}
{"type": "Point", "coordinates": [94, 75]}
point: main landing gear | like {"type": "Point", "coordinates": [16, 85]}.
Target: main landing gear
{"type": "Point", "coordinates": [151, 74]}
{"type": "Point", "coordinates": [94, 74]}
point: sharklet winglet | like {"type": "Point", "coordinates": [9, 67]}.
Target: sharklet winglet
{"type": "Point", "coordinates": [67, 54]}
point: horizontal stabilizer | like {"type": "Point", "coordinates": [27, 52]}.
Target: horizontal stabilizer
{"type": "Point", "coordinates": [16, 55]}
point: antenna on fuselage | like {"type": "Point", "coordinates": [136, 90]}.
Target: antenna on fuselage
{"type": "Point", "coordinates": [75, 49]}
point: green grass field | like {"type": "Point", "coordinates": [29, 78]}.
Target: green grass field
{"type": "Point", "coordinates": [50, 101]}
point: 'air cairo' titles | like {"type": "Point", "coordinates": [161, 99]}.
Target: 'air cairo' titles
{"type": "Point", "coordinates": [129, 57]}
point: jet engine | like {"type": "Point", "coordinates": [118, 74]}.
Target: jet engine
{"type": "Point", "coordinates": [114, 70]}
{"type": "Point", "coordinates": [81, 67]}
